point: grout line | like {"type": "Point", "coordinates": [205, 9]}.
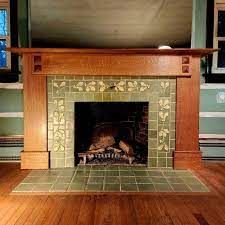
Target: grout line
{"type": "Point", "coordinates": [72, 179]}
{"type": "Point", "coordinates": [168, 181]}
{"type": "Point", "coordinates": [103, 183]}
{"type": "Point", "coordinates": [136, 183]}
{"type": "Point", "coordinates": [199, 180]}
{"type": "Point", "coordinates": [154, 187]}
{"type": "Point", "coordinates": [186, 184]}
{"type": "Point", "coordinates": [51, 187]}
{"type": "Point", "coordinates": [120, 180]}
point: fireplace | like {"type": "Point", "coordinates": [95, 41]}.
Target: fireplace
{"type": "Point", "coordinates": [111, 133]}
{"type": "Point", "coordinates": [56, 78]}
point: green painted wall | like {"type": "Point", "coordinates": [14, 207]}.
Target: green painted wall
{"type": "Point", "coordinates": [23, 23]}
{"type": "Point", "coordinates": [212, 125]}
{"type": "Point", "coordinates": [10, 151]}
{"type": "Point", "coordinates": [11, 100]}
{"type": "Point", "coordinates": [198, 36]}
{"type": "Point", "coordinates": [213, 151]}
{"type": "Point", "coordinates": [208, 101]}
{"type": "Point", "coordinates": [11, 126]}
{"type": "Point", "coordinates": [198, 39]}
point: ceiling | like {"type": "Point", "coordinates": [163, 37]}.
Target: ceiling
{"type": "Point", "coordinates": [111, 23]}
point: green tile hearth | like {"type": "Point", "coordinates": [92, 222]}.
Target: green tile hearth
{"type": "Point", "coordinates": [110, 179]}
{"type": "Point", "coordinates": [112, 187]}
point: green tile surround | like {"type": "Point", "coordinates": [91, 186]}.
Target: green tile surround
{"type": "Point", "coordinates": [63, 91]}
{"type": "Point", "coordinates": [110, 179]}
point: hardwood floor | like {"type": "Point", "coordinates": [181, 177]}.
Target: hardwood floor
{"type": "Point", "coordinates": [110, 209]}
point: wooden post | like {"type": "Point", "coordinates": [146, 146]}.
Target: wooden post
{"type": "Point", "coordinates": [35, 154]}
{"type": "Point", "coordinates": [187, 153]}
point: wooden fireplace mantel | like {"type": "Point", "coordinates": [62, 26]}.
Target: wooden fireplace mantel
{"type": "Point", "coordinates": [182, 64]}
{"type": "Point", "coordinates": [131, 62]}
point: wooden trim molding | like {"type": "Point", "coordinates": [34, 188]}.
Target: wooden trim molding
{"type": "Point", "coordinates": [6, 6]}
{"type": "Point", "coordinates": [200, 52]}
{"type": "Point", "coordinates": [187, 159]}
{"type": "Point", "coordinates": [15, 86]}
{"type": "Point", "coordinates": [212, 86]}
{"type": "Point", "coordinates": [34, 160]}
{"type": "Point", "coordinates": [113, 62]}
{"type": "Point", "coordinates": [109, 65]}
{"type": "Point", "coordinates": [212, 114]}
{"type": "Point", "coordinates": [219, 5]}
{"type": "Point", "coordinates": [11, 138]}
{"type": "Point", "coordinates": [212, 136]}
{"type": "Point", "coordinates": [11, 114]}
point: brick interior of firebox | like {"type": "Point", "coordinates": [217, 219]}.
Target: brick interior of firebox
{"type": "Point", "coordinates": [111, 133]}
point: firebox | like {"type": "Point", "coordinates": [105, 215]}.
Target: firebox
{"type": "Point", "coordinates": [111, 133]}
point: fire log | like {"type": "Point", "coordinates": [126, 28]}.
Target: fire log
{"type": "Point", "coordinates": [126, 148]}
{"type": "Point", "coordinates": [100, 150]}
{"type": "Point", "coordinates": [102, 142]}
{"type": "Point", "coordinates": [116, 150]}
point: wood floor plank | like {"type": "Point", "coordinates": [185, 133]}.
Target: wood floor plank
{"type": "Point", "coordinates": [87, 211]}
{"type": "Point", "coordinates": [44, 211]}
{"type": "Point", "coordinates": [56, 210]}
{"type": "Point", "coordinates": [23, 207]}
{"type": "Point", "coordinates": [70, 215]}
{"type": "Point", "coordinates": [35, 205]}
{"type": "Point", "coordinates": [14, 206]}
{"type": "Point", "coordinates": [141, 210]}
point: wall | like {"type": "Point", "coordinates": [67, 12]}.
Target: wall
{"type": "Point", "coordinates": [198, 39]}
{"type": "Point", "coordinates": [11, 95]}
{"type": "Point", "coordinates": [212, 112]}
{"type": "Point", "coordinates": [11, 119]}
{"type": "Point", "coordinates": [212, 119]}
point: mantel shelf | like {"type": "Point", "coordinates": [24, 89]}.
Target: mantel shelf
{"type": "Point", "coordinates": [141, 51]}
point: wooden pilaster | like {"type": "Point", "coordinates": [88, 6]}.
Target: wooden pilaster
{"type": "Point", "coordinates": [187, 153]}
{"type": "Point", "coordinates": [35, 155]}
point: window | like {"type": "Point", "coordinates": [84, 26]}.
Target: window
{"type": "Point", "coordinates": [4, 35]}
{"type": "Point", "coordinates": [219, 37]}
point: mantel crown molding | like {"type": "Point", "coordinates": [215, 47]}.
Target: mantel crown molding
{"type": "Point", "coordinates": [141, 51]}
